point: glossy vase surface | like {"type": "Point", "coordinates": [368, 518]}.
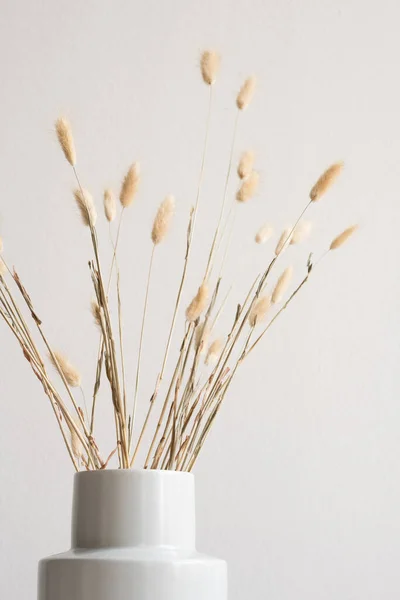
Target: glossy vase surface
{"type": "Point", "coordinates": [133, 538]}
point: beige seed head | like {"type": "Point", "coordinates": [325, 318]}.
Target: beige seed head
{"type": "Point", "coordinates": [71, 374]}
{"type": "Point", "coordinates": [248, 188]}
{"type": "Point", "coordinates": [3, 268]}
{"type": "Point", "coordinates": [259, 310]}
{"type": "Point", "coordinates": [301, 232]}
{"type": "Point", "coordinates": [263, 234]}
{"type": "Point", "coordinates": [214, 352]}
{"type": "Point", "coordinates": [246, 164]}
{"type": "Point", "coordinates": [86, 207]}
{"type": "Point", "coordinates": [283, 240]}
{"type": "Point", "coordinates": [163, 219]}
{"type": "Point", "coordinates": [342, 237]}
{"type": "Point", "coordinates": [326, 181]}
{"type": "Point", "coordinates": [202, 335]}
{"type": "Point", "coordinates": [209, 64]}
{"type": "Point", "coordinates": [246, 93]}
{"type": "Point", "coordinates": [65, 139]}
{"type": "Point", "coordinates": [96, 313]}
{"type": "Point", "coordinates": [76, 444]}
{"type": "Point", "coordinates": [110, 207]}
{"type": "Point", "coordinates": [198, 304]}
{"type": "Point", "coordinates": [282, 285]}
{"type": "Point", "coordinates": [130, 185]}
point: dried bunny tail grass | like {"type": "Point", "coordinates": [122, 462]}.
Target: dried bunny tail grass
{"type": "Point", "coordinates": [76, 444]}
{"type": "Point", "coordinates": [201, 337]}
{"type": "Point", "coordinates": [326, 181]}
{"type": "Point", "coordinates": [65, 139]}
{"type": "Point", "coordinates": [86, 207]}
{"type": "Point", "coordinates": [163, 219]}
{"type": "Point", "coordinates": [71, 374]}
{"type": "Point", "coordinates": [198, 304]}
{"type": "Point", "coordinates": [3, 268]}
{"type": "Point", "coordinates": [246, 93]}
{"type": "Point", "coordinates": [283, 240]}
{"type": "Point", "coordinates": [246, 164]}
{"type": "Point", "coordinates": [130, 185]}
{"type": "Point", "coordinates": [214, 352]}
{"type": "Point", "coordinates": [96, 313]}
{"type": "Point", "coordinates": [110, 207]}
{"type": "Point", "coordinates": [248, 188]}
{"type": "Point", "coordinates": [209, 64]}
{"type": "Point", "coordinates": [301, 232]}
{"type": "Point", "coordinates": [263, 234]}
{"type": "Point", "coordinates": [342, 237]}
{"type": "Point", "coordinates": [259, 310]}
{"type": "Point", "coordinates": [282, 285]}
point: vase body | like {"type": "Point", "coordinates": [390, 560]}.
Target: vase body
{"type": "Point", "coordinates": [133, 538]}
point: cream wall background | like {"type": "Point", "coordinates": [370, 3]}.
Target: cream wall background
{"type": "Point", "coordinates": [299, 486]}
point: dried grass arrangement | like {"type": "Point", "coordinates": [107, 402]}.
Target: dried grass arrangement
{"type": "Point", "coordinates": [179, 419]}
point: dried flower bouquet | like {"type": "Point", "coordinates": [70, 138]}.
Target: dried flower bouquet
{"type": "Point", "coordinates": [181, 418]}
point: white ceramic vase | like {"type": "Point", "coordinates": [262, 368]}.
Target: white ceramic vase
{"type": "Point", "coordinates": [133, 538]}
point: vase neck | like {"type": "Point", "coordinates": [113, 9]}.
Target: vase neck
{"type": "Point", "coordinates": [133, 508]}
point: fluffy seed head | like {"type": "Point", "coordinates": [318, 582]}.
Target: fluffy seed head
{"type": "Point", "coordinates": [259, 310]}
{"type": "Point", "coordinates": [198, 304]}
{"type": "Point", "coordinates": [246, 164]}
{"type": "Point", "coordinates": [209, 65]}
{"type": "Point", "coordinates": [76, 444]}
{"type": "Point", "coordinates": [71, 374]}
{"type": "Point", "coordinates": [246, 93]}
{"type": "Point", "coordinates": [163, 219]}
{"type": "Point", "coordinates": [263, 234]}
{"type": "Point", "coordinates": [201, 337]}
{"type": "Point", "coordinates": [96, 313]}
{"type": "Point", "coordinates": [110, 207]}
{"type": "Point", "coordinates": [301, 232]}
{"type": "Point", "coordinates": [3, 268]}
{"type": "Point", "coordinates": [214, 352]}
{"type": "Point", "coordinates": [283, 240]}
{"type": "Point", "coordinates": [130, 185]}
{"type": "Point", "coordinates": [342, 237]}
{"type": "Point", "coordinates": [86, 207]}
{"type": "Point", "coordinates": [65, 139]}
{"type": "Point", "coordinates": [326, 181]}
{"type": "Point", "coordinates": [282, 285]}
{"type": "Point", "coordinates": [248, 188]}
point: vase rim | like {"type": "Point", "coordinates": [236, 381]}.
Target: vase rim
{"type": "Point", "coordinates": [145, 472]}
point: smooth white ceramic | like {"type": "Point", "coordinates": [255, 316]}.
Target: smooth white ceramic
{"type": "Point", "coordinates": [133, 538]}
